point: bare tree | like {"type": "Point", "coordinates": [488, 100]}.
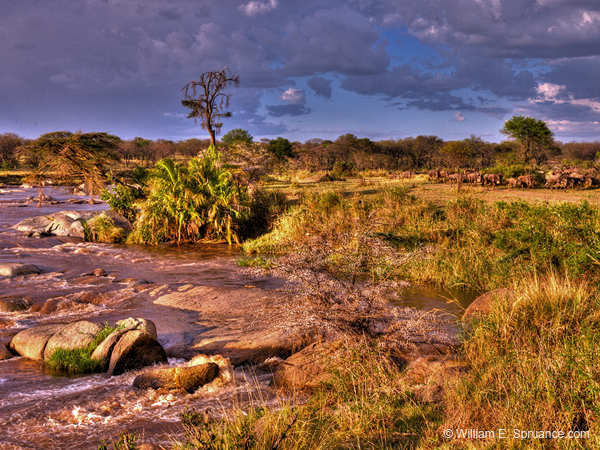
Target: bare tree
{"type": "Point", "coordinates": [207, 100]}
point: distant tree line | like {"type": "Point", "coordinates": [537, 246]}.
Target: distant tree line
{"type": "Point", "coordinates": [530, 143]}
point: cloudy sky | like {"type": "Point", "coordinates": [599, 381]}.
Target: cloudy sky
{"type": "Point", "coordinates": [308, 68]}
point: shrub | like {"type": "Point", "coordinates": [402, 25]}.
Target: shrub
{"type": "Point", "coordinates": [101, 228]}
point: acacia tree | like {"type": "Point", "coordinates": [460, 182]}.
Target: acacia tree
{"type": "Point", "coordinates": [533, 135]}
{"type": "Point", "coordinates": [74, 156]}
{"type": "Point", "coordinates": [207, 100]}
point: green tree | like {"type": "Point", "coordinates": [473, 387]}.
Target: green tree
{"type": "Point", "coordinates": [237, 135]}
{"type": "Point", "coordinates": [74, 156]}
{"type": "Point", "coordinates": [207, 100]}
{"type": "Point", "coordinates": [9, 143]}
{"type": "Point", "coordinates": [458, 152]}
{"type": "Point", "coordinates": [533, 135]}
{"type": "Point", "coordinates": [281, 148]}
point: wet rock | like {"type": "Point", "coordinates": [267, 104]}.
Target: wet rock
{"type": "Point", "coordinates": [14, 304]}
{"type": "Point", "coordinates": [189, 379]}
{"type": "Point", "coordinates": [60, 225]}
{"type": "Point", "coordinates": [135, 349]}
{"type": "Point", "coordinates": [77, 229]}
{"type": "Point", "coordinates": [482, 305]}
{"type": "Point", "coordinates": [99, 273]}
{"type": "Point", "coordinates": [89, 280]}
{"type": "Point", "coordinates": [307, 368]}
{"type": "Point", "coordinates": [74, 335]}
{"type": "Point", "coordinates": [31, 343]}
{"type": "Point", "coordinates": [5, 353]}
{"type": "Point", "coordinates": [156, 379]}
{"type": "Point", "coordinates": [104, 351]}
{"type": "Point", "coordinates": [34, 224]}
{"type": "Point", "coordinates": [15, 269]}
{"type": "Point", "coordinates": [69, 223]}
{"type": "Point", "coordinates": [139, 324]}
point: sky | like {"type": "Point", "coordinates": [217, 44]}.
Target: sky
{"type": "Point", "coordinates": [382, 69]}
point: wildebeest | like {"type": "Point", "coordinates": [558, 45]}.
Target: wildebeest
{"type": "Point", "coordinates": [492, 178]}
{"type": "Point", "coordinates": [434, 175]}
{"type": "Point", "coordinates": [443, 175]}
{"type": "Point", "coordinates": [473, 177]}
{"type": "Point", "coordinates": [526, 180]}
{"type": "Point", "coordinates": [555, 180]}
{"type": "Point", "coordinates": [455, 177]}
{"type": "Point", "coordinates": [512, 182]}
{"type": "Point", "coordinates": [407, 174]}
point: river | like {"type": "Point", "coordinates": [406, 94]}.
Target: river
{"type": "Point", "coordinates": [41, 410]}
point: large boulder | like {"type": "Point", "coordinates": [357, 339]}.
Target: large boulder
{"type": "Point", "coordinates": [74, 335]}
{"type": "Point", "coordinates": [104, 351]}
{"type": "Point", "coordinates": [16, 269]}
{"type": "Point", "coordinates": [34, 224]}
{"type": "Point", "coordinates": [31, 342]}
{"type": "Point", "coordinates": [189, 379]}
{"type": "Point", "coordinates": [5, 353]}
{"type": "Point", "coordinates": [139, 324]}
{"type": "Point", "coordinates": [308, 368]}
{"type": "Point", "coordinates": [60, 225]}
{"type": "Point", "coordinates": [135, 349]}
{"type": "Point", "coordinates": [482, 305]}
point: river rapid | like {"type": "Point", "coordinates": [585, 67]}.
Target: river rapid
{"type": "Point", "coordinates": [42, 410]}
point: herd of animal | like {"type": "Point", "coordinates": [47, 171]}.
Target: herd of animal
{"type": "Point", "coordinates": [557, 178]}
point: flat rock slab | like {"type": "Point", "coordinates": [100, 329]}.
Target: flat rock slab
{"type": "Point", "coordinates": [15, 269]}
{"type": "Point", "coordinates": [136, 349]}
{"type": "Point", "coordinates": [31, 343]}
{"type": "Point", "coordinates": [74, 335]}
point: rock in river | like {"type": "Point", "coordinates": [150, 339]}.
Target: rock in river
{"type": "Point", "coordinates": [31, 342]}
{"type": "Point", "coordinates": [15, 269]}
{"type": "Point", "coordinates": [189, 379]}
{"type": "Point", "coordinates": [135, 349]}
{"type": "Point", "coordinates": [74, 335]}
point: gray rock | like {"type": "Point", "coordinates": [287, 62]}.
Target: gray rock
{"type": "Point", "coordinates": [74, 335]}
{"type": "Point", "coordinates": [14, 304]}
{"type": "Point", "coordinates": [15, 269]}
{"type": "Point", "coordinates": [34, 224]}
{"type": "Point", "coordinates": [139, 324]}
{"type": "Point", "coordinates": [136, 349]}
{"type": "Point", "coordinates": [31, 343]}
{"type": "Point", "coordinates": [60, 225]}
{"type": "Point", "coordinates": [77, 229]}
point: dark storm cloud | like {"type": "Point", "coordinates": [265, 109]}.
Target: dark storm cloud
{"type": "Point", "coordinates": [321, 86]}
{"type": "Point", "coordinates": [95, 58]}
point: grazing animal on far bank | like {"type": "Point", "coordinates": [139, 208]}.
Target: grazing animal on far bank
{"type": "Point", "coordinates": [492, 178]}
{"type": "Point", "coordinates": [526, 180]}
{"type": "Point", "coordinates": [512, 182]}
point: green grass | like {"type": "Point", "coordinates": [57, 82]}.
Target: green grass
{"type": "Point", "coordinates": [464, 242]}
{"type": "Point", "coordinates": [534, 365]}
{"type": "Point", "coordinates": [78, 360]}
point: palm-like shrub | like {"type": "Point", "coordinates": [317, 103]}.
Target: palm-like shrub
{"type": "Point", "coordinates": [200, 201]}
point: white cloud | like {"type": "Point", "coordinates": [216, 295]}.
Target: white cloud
{"type": "Point", "coordinates": [253, 8]}
{"type": "Point", "coordinates": [459, 116]}
{"type": "Point", "coordinates": [294, 96]}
